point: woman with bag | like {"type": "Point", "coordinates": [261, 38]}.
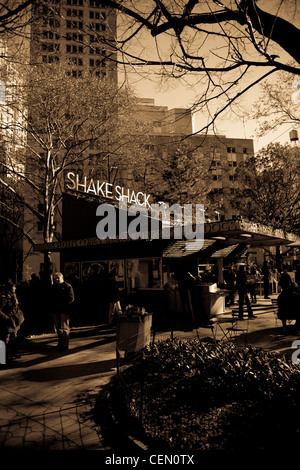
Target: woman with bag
{"type": "Point", "coordinates": [11, 319]}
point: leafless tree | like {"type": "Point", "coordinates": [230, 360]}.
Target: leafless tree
{"type": "Point", "coordinates": [223, 48]}
{"type": "Point", "coordinates": [14, 16]}
{"type": "Point", "coordinates": [269, 190]}
{"type": "Point", "coordinates": [51, 121]}
{"type": "Point", "coordinates": [175, 172]}
{"type": "Point", "coordinates": [278, 103]}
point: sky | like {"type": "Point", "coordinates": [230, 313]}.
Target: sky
{"type": "Point", "coordinates": [236, 127]}
{"type": "Point", "coordinates": [177, 94]}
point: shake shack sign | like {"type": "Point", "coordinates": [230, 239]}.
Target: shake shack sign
{"type": "Point", "coordinates": [141, 220]}
{"type": "Point", "coordinates": [75, 182]}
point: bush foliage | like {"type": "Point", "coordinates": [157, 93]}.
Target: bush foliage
{"type": "Point", "coordinates": [205, 395]}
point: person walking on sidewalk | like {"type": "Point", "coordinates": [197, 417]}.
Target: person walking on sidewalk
{"type": "Point", "coordinates": [251, 281]}
{"type": "Point", "coordinates": [11, 319]}
{"type": "Point", "coordinates": [242, 288]}
{"type": "Point", "coordinates": [62, 298]}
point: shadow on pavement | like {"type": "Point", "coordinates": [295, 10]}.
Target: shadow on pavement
{"type": "Point", "coordinates": [41, 349]}
{"type": "Point", "coordinates": [272, 339]}
{"type": "Point", "coordinates": [70, 371]}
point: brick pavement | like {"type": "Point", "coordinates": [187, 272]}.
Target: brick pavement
{"type": "Point", "coordinates": [47, 398]}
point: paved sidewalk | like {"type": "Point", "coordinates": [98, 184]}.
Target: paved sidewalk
{"type": "Point", "coordinates": [47, 398]}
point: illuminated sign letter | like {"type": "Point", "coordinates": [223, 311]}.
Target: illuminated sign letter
{"type": "Point", "coordinates": [69, 176]}
{"type": "Point", "coordinates": [91, 188]}
{"type": "Point", "coordinates": [83, 185]}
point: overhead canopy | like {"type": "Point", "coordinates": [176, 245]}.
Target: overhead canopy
{"type": "Point", "coordinates": [80, 221]}
{"type": "Point", "coordinates": [225, 251]}
{"type": "Point", "coordinates": [251, 233]}
{"type": "Point", "coordinates": [179, 248]}
{"type": "Point", "coordinates": [228, 234]}
{"type": "Point", "coordinates": [295, 244]}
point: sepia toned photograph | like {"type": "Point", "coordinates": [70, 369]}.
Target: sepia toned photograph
{"type": "Point", "coordinates": [150, 229]}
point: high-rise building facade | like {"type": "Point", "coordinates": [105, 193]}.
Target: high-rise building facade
{"type": "Point", "coordinates": [171, 130]}
{"type": "Point", "coordinates": [79, 32]}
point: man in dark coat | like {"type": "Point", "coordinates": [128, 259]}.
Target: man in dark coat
{"type": "Point", "coordinates": [62, 298]}
{"type": "Point", "coordinates": [242, 288]}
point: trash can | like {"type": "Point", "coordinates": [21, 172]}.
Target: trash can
{"type": "Point", "coordinates": [212, 301]}
{"type": "Point", "coordinates": [133, 332]}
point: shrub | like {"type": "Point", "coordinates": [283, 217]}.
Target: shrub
{"type": "Point", "coordinates": [206, 395]}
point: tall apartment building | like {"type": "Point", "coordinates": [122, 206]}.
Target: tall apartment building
{"type": "Point", "coordinates": [219, 154]}
{"type": "Point", "coordinates": [12, 137]}
{"type": "Point", "coordinates": [78, 33]}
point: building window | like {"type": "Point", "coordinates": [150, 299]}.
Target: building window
{"type": "Point", "coordinates": [101, 73]}
{"type": "Point", "coordinates": [50, 35]}
{"type": "Point", "coordinates": [52, 22]}
{"type": "Point", "coordinates": [230, 149]}
{"type": "Point", "coordinates": [50, 47]}
{"type": "Point", "coordinates": [96, 50]}
{"type": "Point", "coordinates": [245, 150]}
{"type": "Point", "coordinates": [75, 24]}
{"type": "Point", "coordinates": [50, 59]}
{"type": "Point", "coordinates": [96, 4]}
{"type": "Point", "coordinates": [97, 15]}
{"type": "Point", "coordinates": [74, 37]}
{"type": "Point", "coordinates": [74, 12]}
{"type": "Point", "coordinates": [97, 27]}
{"type": "Point", "coordinates": [75, 61]}
{"type": "Point", "coordinates": [144, 274]}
